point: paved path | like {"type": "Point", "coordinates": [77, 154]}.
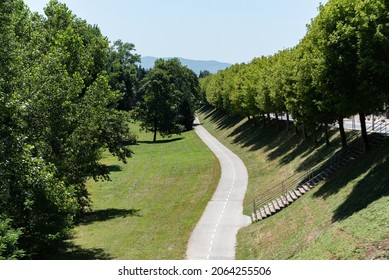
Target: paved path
{"type": "Point", "coordinates": [214, 237]}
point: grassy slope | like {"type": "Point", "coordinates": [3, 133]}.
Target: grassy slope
{"type": "Point", "coordinates": [346, 217]}
{"type": "Point", "coordinates": [150, 207]}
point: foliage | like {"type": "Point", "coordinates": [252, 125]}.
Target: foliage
{"type": "Point", "coordinates": [204, 74]}
{"type": "Point", "coordinates": [158, 111]}
{"type": "Point", "coordinates": [170, 93]}
{"type": "Point", "coordinates": [339, 69]}
{"type": "Point", "coordinates": [122, 71]}
{"type": "Point", "coordinates": [8, 241]}
{"type": "Point", "coordinates": [57, 115]}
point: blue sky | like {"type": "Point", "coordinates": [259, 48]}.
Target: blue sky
{"type": "Point", "coordinates": [231, 31]}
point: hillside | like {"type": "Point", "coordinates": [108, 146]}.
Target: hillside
{"type": "Point", "coordinates": [345, 217]}
{"type": "Point", "coordinates": [196, 66]}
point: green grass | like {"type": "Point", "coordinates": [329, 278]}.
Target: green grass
{"type": "Point", "coordinates": [151, 205]}
{"type": "Point", "coordinates": [346, 217]}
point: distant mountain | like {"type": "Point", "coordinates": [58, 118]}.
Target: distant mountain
{"type": "Point", "coordinates": [196, 66]}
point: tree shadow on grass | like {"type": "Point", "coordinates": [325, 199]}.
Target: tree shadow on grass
{"type": "Point", "coordinates": [277, 142]}
{"type": "Point", "coordinates": [284, 145]}
{"type": "Point", "coordinates": [162, 141]}
{"type": "Point", "coordinates": [373, 186]}
{"type": "Point", "coordinates": [219, 117]}
{"type": "Point", "coordinates": [288, 146]}
{"type": "Point", "coordinates": [114, 168]}
{"type": "Point", "coordinates": [251, 136]}
{"type": "Point", "coordinates": [107, 214]}
{"type": "Point", "coordinates": [67, 250]}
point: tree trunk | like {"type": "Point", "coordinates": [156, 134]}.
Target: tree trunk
{"type": "Point", "coordinates": [314, 134]}
{"type": "Point", "coordinates": [287, 121]}
{"type": "Point", "coordinates": [277, 121]}
{"type": "Point", "coordinates": [326, 134]}
{"type": "Point", "coordinates": [296, 129]}
{"type": "Point", "coordinates": [254, 121]}
{"type": "Point", "coordinates": [365, 140]}
{"type": "Point", "coordinates": [305, 132]}
{"type": "Point", "coordinates": [342, 133]}
{"type": "Point", "coordinates": [268, 118]}
{"type": "Point", "coordinates": [155, 128]}
{"type": "Point", "coordinates": [264, 120]}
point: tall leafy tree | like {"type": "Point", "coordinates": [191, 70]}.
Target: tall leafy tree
{"type": "Point", "coordinates": [352, 41]}
{"type": "Point", "coordinates": [36, 208]}
{"type": "Point", "coordinates": [204, 74]}
{"type": "Point", "coordinates": [158, 111]}
{"type": "Point", "coordinates": [123, 72]}
{"type": "Point", "coordinates": [170, 93]}
{"type": "Point", "coordinates": [186, 89]}
{"type": "Point", "coordinates": [372, 27]}
{"type": "Point", "coordinates": [73, 115]}
{"type": "Point", "coordinates": [215, 93]}
{"type": "Point", "coordinates": [263, 99]}
{"type": "Point", "coordinates": [57, 115]}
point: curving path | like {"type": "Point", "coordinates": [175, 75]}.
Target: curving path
{"type": "Point", "coordinates": [214, 236]}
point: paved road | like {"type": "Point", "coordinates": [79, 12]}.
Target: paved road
{"type": "Point", "coordinates": [353, 123]}
{"type": "Point", "coordinates": [214, 237]}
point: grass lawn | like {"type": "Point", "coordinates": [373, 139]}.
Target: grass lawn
{"type": "Point", "coordinates": [151, 205]}
{"type": "Point", "coordinates": [346, 217]}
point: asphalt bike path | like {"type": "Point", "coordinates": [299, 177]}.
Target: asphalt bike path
{"type": "Point", "coordinates": [214, 236]}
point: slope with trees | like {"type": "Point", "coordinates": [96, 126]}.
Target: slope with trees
{"type": "Point", "coordinates": [339, 69]}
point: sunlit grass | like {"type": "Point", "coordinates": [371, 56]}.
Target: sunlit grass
{"type": "Point", "coordinates": [151, 205]}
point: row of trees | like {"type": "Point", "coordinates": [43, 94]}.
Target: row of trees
{"type": "Point", "coordinates": [61, 85]}
{"type": "Point", "coordinates": [339, 69]}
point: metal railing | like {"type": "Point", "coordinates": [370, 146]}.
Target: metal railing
{"type": "Point", "coordinates": [381, 128]}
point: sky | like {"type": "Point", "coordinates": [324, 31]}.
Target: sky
{"type": "Point", "coordinates": [232, 31]}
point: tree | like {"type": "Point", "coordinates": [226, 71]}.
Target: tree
{"type": "Point", "coordinates": [186, 89]}
{"type": "Point", "coordinates": [158, 112]}
{"type": "Point", "coordinates": [263, 99]}
{"type": "Point", "coordinates": [36, 208]}
{"type": "Point", "coordinates": [72, 113]}
{"type": "Point", "coordinates": [57, 116]}
{"type": "Point", "coordinates": [170, 93]}
{"type": "Point", "coordinates": [122, 71]}
{"type": "Point", "coordinates": [215, 95]}
{"type": "Point", "coordinates": [352, 40]}
{"type": "Point", "coordinates": [372, 27]}
{"type": "Point", "coordinates": [204, 74]}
